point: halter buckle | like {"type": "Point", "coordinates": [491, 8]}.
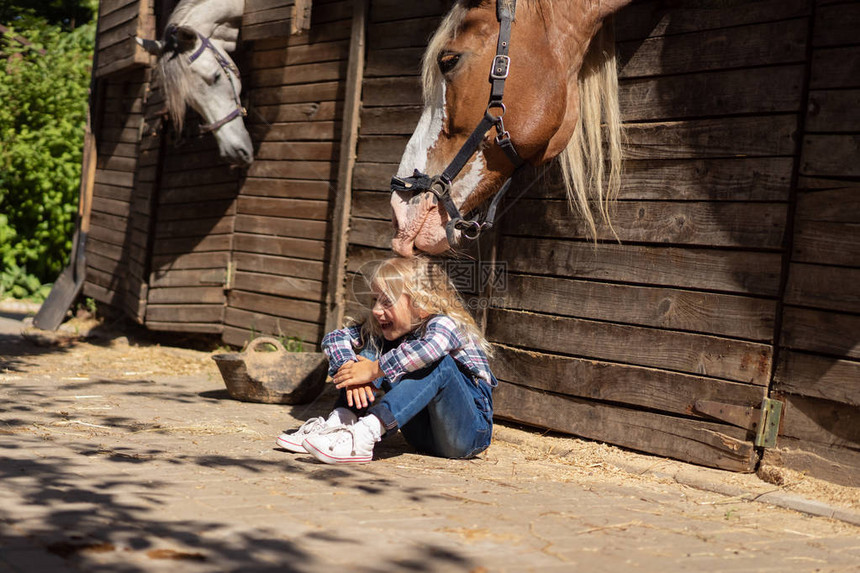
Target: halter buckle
{"type": "Point", "coordinates": [441, 189]}
{"type": "Point", "coordinates": [416, 183]}
{"type": "Point", "coordinates": [471, 230]}
{"type": "Point", "coordinates": [501, 67]}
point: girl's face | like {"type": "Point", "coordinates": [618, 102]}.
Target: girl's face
{"type": "Point", "coordinates": [395, 318]}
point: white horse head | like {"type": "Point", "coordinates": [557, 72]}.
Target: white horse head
{"type": "Point", "coordinates": [198, 72]}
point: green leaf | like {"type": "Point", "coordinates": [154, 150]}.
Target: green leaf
{"type": "Point", "coordinates": [42, 123]}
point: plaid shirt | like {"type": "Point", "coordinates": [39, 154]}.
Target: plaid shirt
{"type": "Point", "coordinates": [418, 349]}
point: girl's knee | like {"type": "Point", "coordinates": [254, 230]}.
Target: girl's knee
{"type": "Point", "coordinates": [463, 446]}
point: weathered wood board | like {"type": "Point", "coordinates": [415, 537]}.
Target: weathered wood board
{"type": "Point", "coordinates": [119, 22]}
{"type": "Point", "coordinates": [729, 273]}
{"type": "Point", "coordinates": [818, 371]}
{"type": "Point", "coordinates": [680, 297]}
{"type": "Point", "coordinates": [114, 250]}
{"type": "Point", "coordinates": [281, 234]}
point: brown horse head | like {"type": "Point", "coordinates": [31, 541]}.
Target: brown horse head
{"type": "Point", "coordinates": [548, 78]}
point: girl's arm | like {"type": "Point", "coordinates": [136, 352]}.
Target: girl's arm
{"type": "Point", "coordinates": [440, 338]}
{"type": "Point", "coordinates": [338, 346]}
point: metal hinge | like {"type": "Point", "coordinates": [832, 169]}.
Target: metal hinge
{"type": "Point", "coordinates": [218, 277]}
{"type": "Point", "coordinates": [764, 420]}
{"type": "Point", "coordinates": [768, 428]}
{"type": "Point", "coordinates": [231, 273]}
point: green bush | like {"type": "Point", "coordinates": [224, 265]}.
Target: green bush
{"type": "Point", "coordinates": [42, 121]}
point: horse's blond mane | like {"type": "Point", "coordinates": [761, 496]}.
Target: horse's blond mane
{"type": "Point", "coordinates": [592, 173]}
{"type": "Point", "coordinates": [591, 162]}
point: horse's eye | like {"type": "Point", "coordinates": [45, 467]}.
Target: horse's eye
{"type": "Point", "coordinates": [447, 61]}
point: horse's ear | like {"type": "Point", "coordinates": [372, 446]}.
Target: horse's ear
{"type": "Point", "coordinates": [186, 39]}
{"type": "Point", "coordinates": [154, 47]}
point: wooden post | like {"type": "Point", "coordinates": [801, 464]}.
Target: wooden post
{"type": "Point", "coordinates": [348, 147]}
{"type": "Point", "coordinates": [301, 20]}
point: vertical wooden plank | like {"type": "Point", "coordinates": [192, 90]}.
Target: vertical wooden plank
{"type": "Point", "coordinates": [817, 363]}
{"type": "Point", "coordinates": [334, 303]}
{"type": "Point", "coordinates": [301, 20]}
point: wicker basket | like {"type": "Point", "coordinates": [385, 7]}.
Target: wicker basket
{"type": "Point", "coordinates": [278, 377]}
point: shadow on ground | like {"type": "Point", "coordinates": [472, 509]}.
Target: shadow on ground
{"type": "Point", "coordinates": [101, 500]}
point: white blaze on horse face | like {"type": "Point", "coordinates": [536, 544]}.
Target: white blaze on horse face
{"type": "Point", "coordinates": [424, 137]}
{"type": "Point", "coordinates": [468, 183]}
{"type": "Point", "coordinates": [408, 211]}
{"type": "Point", "coordinates": [418, 219]}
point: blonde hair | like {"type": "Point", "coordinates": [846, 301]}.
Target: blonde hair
{"type": "Point", "coordinates": [430, 291]}
{"type": "Point", "coordinates": [431, 77]}
{"type": "Point", "coordinates": [584, 161]}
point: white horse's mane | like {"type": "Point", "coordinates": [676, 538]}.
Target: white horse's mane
{"type": "Point", "coordinates": [177, 88]}
{"type": "Point", "coordinates": [592, 173]}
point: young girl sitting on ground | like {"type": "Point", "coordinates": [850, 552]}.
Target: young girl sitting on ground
{"type": "Point", "coordinates": [422, 347]}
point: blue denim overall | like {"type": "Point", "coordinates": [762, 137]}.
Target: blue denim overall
{"type": "Point", "coordinates": [440, 409]}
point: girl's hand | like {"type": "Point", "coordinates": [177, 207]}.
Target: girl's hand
{"type": "Point", "coordinates": [360, 396]}
{"type": "Point", "coordinates": [357, 373]}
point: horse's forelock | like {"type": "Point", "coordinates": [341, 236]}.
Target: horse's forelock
{"type": "Point", "coordinates": [430, 75]}
{"type": "Point", "coordinates": [174, 77]}
{"type": "Point", "coordinates": [174, 68]}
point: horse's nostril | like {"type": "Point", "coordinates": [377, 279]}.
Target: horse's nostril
{"type": "Point", "coordinates": [245, 156]}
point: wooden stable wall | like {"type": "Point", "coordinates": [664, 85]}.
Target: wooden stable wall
{"type": "Point", "coordinates": [818, 366]}
{"type": "Point", "coordinates": [117, 247]}
{"type": "Point", "coordinates": [617, 341]}
{"type": "Point", "coordinates": [554, 328]}
{"type": "Point", "coordinates": [281, 236]}
{"type": "Point", "coordinates": [735, 278]}
{"type": "Point", "coordinates": [739, 229]}
{"type": "Point", "coordinates": [200, 247]}
{"type": "Point", "coordinates": [115, 250]}
{"type": "Point", "coordinates": [190, 225]}
{"type": "Point", "coordinates": [119, 22]}
{"type": "Point", "coordinates": [397, 33]}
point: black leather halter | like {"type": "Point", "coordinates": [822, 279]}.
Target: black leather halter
{"type": "Point", "coordinates": [440, 185]}
{"type": "Point", "coordinates": [229, 71]}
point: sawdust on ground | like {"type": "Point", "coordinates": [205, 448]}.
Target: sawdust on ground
{"type": "Point", "coordinates": [87, 348]}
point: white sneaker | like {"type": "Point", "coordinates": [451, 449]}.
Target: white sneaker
{"type": "Point", "coordinates": [342, 445]}
{"type": "Point", "coordinates": [292, 441]}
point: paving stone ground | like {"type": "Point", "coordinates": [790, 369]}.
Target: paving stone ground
{"type": "Point", "coordinates": [113, 459]}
